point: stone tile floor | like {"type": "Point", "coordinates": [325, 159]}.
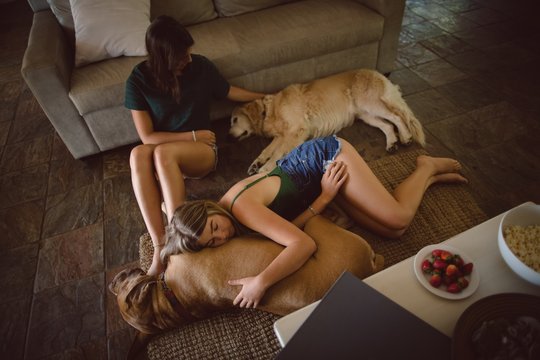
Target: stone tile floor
{"type": "Point", "coordinates": [468, 69]}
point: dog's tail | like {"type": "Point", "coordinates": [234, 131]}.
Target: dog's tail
{"type": "Point", "coordinates": [395, 103]}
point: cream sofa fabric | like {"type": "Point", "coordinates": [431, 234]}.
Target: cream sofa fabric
{"type": "Point", "coordinates": [262, 50]}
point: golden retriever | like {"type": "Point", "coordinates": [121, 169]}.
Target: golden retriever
{"type": "Point", "coordinates": [323, 107]}
{"type": "Point", "coordinates": [199, 280]}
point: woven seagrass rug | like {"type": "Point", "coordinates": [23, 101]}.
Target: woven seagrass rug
{"type": "Point", "coordinates": [446, 210]}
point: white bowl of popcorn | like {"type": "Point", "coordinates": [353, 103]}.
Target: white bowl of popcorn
{"type": "Point", "coordinates": [519, 241]}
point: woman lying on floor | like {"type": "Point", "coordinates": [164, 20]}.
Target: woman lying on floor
{"type": "Point", "coordinates": [278, 205]}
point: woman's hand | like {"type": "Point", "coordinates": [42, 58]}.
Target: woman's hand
{"type": "Point", "coordinates": [252, 291]}
{"type": "Point", "coordinates": [333, 179]}
{"type": "Point", "coordinates": [206, 136]}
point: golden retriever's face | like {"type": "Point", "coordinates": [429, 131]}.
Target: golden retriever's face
{"type": "Point", "coordinates": [246, 120]}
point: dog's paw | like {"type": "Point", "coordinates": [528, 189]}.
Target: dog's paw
{"type": "Point", "coordinates": [254, 168]}
{"type": "Point", "coordinates": [406, 142]}
{"type": "Point", "coordinates": [392, 149]}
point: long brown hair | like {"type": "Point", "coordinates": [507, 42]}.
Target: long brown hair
{"type": "Point", "coordinates": [168, 44]}
{"type": "Point", "coordinates": [187, 225]}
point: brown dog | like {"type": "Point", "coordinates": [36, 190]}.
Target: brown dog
{"type": "Point", "coordinates": [199, 280]}
{"type": "Point", "coordinates": [323, 107]}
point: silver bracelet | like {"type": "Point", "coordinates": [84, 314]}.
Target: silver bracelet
{"type": "Point", "coordinates": [313, 211]}
{"type": "Point", "coordinates": [194, 137]}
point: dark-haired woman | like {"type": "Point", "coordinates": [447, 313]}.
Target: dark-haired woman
{"type": "Point", "coordinates": [169, 96]}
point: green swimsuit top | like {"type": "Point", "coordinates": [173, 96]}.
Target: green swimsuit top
{"type": "Point", "coordinates": [286, 203]}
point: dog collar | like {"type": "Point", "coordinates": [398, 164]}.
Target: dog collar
{"type": "Point", "coordinates": [176, 305]}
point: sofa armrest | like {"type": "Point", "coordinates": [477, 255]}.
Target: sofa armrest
{"type": "Point", "coordinates": [392, 11]}
{"type": "Point", "coordinates": [46, 68]}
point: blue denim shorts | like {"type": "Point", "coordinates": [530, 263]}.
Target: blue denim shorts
{"type": "Point", "coordinates": [307, 163]}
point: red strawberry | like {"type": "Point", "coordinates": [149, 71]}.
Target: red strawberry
{"type": "Point", "coordinates": [467, 268]}
{"type": "Point", "coordinates": [453, 288]}
{"type": "Point", "coordinates": [435, 280]}
{"type": "Point", "coordinates": [445, 255]}
{"type": "Point", "coordinates": [426, 266]}
{"type": "Point", "coordinates": [439, 264]}
{"type": "Point", "coordinates": [462, 282]}
{"type": "Point", "coordinates": [447, 280]}
{"type": "Point", "coordinates": [436, 253]}
{"type": "Point", "coordinates": [458, 261]}
{"type": "Point", "coordinates": [451, 270]}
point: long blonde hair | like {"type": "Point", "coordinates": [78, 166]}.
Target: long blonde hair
{"type": "Point", "coordinates": [187, 225]}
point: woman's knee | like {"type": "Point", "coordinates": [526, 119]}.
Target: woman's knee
{"type": "Point", "coordinates": [141, 155]}
{"type": "Point", "coordinates": [163, 156]}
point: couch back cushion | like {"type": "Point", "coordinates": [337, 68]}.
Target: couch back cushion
{"type": "Point", "coordinates": [62, 10]}
{"type": "Point", "coordinates": [237, 7]}
{"type": "Point", "coordinates": [187, 12]}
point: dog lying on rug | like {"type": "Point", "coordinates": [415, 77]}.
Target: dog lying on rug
{"type": "Point", "coordinates": [323, 107]}
{"type": "Point", "coordinates": [195, 284]}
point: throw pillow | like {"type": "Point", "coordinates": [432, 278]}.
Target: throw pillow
{"type": "Point", "coordinates": [237, 7]}
{"type": "Point", "coordinates": [109, 28]}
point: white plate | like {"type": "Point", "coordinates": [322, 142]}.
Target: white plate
{"type": "Point", "coordinates": [425, 253]}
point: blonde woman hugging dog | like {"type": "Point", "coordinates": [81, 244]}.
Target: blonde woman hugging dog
{"type": "Point", "coordinates": [279, 203]}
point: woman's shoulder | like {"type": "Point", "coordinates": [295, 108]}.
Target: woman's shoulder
{"type": "Point", "coordinates": [139, 71]}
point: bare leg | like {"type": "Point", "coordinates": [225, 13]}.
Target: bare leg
{"type": "Point", "coordinates": [369, 203]}
{"type": "Point", "coordinates": [146, 189]}
{"type": "Point", "coordinates": [176, 159]}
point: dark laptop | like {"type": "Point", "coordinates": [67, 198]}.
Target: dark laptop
{"type": "Point", "coordinates": [355, 321]}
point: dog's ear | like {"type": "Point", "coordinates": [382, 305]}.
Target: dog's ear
{"type": "Point", "coordinates": [119, 280]}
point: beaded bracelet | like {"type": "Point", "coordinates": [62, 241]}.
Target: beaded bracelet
{"type": "Point", "coordinates": [313, 211]}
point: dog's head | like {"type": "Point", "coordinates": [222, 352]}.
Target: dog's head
{"type": "Point", "coordinates": [249, 118]}
{"type": "Point", "coordinates": [142, 303]}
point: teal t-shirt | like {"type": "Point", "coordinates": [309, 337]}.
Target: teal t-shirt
{"type": "Point", "coordinates": [200, 83]}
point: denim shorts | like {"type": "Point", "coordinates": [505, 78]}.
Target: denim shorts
{"type": "Point", "coordinates": [307, 163]}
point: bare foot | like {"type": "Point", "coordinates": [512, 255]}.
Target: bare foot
{"type": "Point", "coordinates": [438, 165]}
{"type": "Point", "coordinates": [449, 178]}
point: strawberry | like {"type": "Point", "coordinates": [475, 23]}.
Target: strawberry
{"type": "Point", "coordinates": [467, 268]}
{"type": "Point", "coordinates": [426, 266]}
{"type": "Point", "coordinates": [447, 280]}
{"type": "Point", "coordinates": [439, 264]}
{"type": "Point", "coordinates": [435, 280]}
{"type": "Point", "coordinates": [453, 288]}
{"type": "Point", "coordinates": [462, 282]}
{"type": "Point", "coordinates": [445, 255]}
{"type": "Point", "coordinates": [436, 253]}
{"type": "Point", "coordinates": [451, 270]}
{"type": "Point", "coordinates": [458, 261]}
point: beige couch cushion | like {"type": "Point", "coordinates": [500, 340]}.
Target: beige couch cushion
{"type": "Point", "coordinates": [237, 7]}
{"type": "Point", "coordinates": [292, 33]}
{"type": "Point", "coordinates": [187, 12]}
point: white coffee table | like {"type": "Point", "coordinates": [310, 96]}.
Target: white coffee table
{"type": "Point", "coordinates": [400, 284]}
